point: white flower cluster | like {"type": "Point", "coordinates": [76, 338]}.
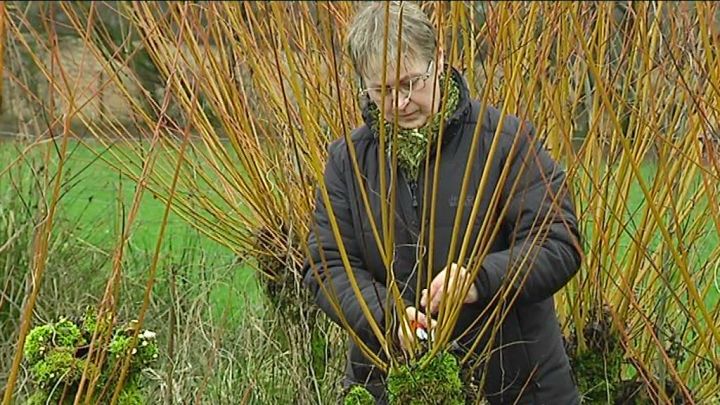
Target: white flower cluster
{"type": "Point", "coordinates": [148, 335]}
{"type": "Point", "coordinates": [145, 337]}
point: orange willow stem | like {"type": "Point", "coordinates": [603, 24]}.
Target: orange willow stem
{"type": "Point", "coordinates": [3, 37]}
{"type": "Point", "coordinates": [155, 260]}
{"type": "Point", "coordinates": [39, 261]}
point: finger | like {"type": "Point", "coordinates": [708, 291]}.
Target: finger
{"type": "Point", "coordinates": [410, 313]}
{"type": "Point", "coordinates": [457, 283]}
{"type": "Point", "coordinates": [437, 289]}
{"type": "Point", "coordinates": [421, 319]}
{"type": "Point", "coordinates": [436, 298]}
{"type": "Point", "coordinates": [454, 286]}
{"type": "Point", "coordinates": [438, 281]}
{"type": "Point", "coordinates": [433, 324]}
{"type": "Point", "coordinates": [404, 343]}
{"type": "Point", "coordinates": [437, 286]}
{"type": "Point", "coordinates": [404, 333]}
{"type": "Point", "coordinates": [472, 295]}
{"type": "Point", "coordinates": [414, 315]}
{"type": "Point", "coordinates": [423, 298]}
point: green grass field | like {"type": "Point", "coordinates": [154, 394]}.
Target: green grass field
{"type": "Point", "coordinates": [94, 202]}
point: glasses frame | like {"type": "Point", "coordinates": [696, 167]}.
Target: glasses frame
{"type": "Point", "coordinates": [394, 90]}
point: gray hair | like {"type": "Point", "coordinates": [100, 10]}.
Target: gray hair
{"type": "Point", "coordinates": [366, 36]}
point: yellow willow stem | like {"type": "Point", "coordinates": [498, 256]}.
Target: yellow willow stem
{"type": "Point", "coordinates": [39, 261]}
{"type": "Point", "coordinates": [3, 38]}
{"type": "Point", "coordinates": [692, 290]}
{"type": "Point", "coordinates": [436, 175]}
{"type": "Point", "coordinates": [153, 266]}
{"type": "Point", "coordinates": [455, 309]}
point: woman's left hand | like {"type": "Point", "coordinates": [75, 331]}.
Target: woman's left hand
{"type": "Point", "coordinates": [458, 276]}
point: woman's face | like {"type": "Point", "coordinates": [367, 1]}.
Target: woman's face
{"type": "Point", "coordinates": [416, 95]}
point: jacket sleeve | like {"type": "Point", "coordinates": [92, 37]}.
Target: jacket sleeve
{"type": "Point", "coordinates": [324, 264]}
{"type": "Point", "coordinates": [544, 242]}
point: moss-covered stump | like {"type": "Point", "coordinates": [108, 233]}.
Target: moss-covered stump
{"type": "Point", "coordinates": [429, 380]}
{"type": "Point", "coordinates": [598, 375]}
{"type": "Point", "coordinates": [358, 395]}
{"type": "Point", "coordinates": [290, 302]}
{"type": "Point", "coordinates": [598, 368]}
{"type": "Point", "coordinates": [130, 395]}
{"type": "Point", "coordinates": [56, 355]}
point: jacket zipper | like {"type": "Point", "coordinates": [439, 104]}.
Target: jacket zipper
{"type": "Point", "coordinates": [412, 186]}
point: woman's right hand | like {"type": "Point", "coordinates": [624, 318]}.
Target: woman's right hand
{"type": "Point", "coordinates": [406, 333]}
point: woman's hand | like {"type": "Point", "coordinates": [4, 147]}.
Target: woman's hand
{"type": "Point", "coordinates": [407, 331]}
{"type": "Point", "coordinates": [458, 276]}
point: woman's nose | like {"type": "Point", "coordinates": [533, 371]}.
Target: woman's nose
{"type": "Point", "coordinates": [402, 101]}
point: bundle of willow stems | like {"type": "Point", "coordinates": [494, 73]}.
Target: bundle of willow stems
{"type": "Point", "coordinates": [231, 135]}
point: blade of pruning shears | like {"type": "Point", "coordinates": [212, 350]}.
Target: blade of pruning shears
{"type": "Point", "coordinates": [422, 334]}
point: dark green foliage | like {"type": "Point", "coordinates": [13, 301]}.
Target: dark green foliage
{"type": "Point", "coordinates": [598, 375]}
{"type": "Point", "coordinates": [597, 369]}
{"type": "Point", "coordinates": [37, 398]}
{"type": "Point", "coordinates": [89, 322]}
{"type": "Point", "coordinates": [319, 346]}
{"type": "Point", "coordinates": [358, 395]}
{"type": "Point", "coordinates": [433, 380]}
{"type": "Point", "coordinates": [131, 395]}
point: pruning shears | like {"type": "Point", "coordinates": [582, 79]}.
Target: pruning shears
{"type": "Point", "coordinates": [420, 331]}
{"type": "Point", "coordinates": [424, 337]}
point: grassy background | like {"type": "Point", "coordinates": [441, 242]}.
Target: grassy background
{"type": "Point", "coordinates": [218, 340]}
{"type": "Point", "coordinates": [94, 201]}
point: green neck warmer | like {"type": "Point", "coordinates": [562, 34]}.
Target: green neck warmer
{"type": "Point", "coordinates": [413, 144]}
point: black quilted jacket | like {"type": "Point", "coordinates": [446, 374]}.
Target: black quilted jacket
{"type": "Point", "coordinates": [529, 363]}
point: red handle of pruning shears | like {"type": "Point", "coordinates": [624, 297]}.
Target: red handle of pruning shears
{"type": "Point", "coordinates": [419, 330]}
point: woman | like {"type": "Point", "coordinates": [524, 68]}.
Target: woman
{"type": "Point", "coordinates": [528, 362]}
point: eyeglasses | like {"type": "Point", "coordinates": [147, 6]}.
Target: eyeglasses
{"type": "Point", "coordinates": [404, 89]}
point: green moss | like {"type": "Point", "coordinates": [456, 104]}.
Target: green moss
{"type": "Point", "coordinates": [598, 375]}
{"type": "Point", "coordinates": [119, 346]}
{"type": "Point", "coordinates": [89, 322]}
{"type": "Point", "coordinates": [598, 368]}
{"type": "Point", "coordinates": [41, 339]}
{"type": "Point", "coordinates": [37, 398]}
{"type": "Point", "coordinates": [38, 343]}
{"type": "Point", "coordinates": [67, 334]}
{"type": "Point", "coordinates": [56, 357]}
{"type": "Point", "coordinates": [143, 354]}
{"type": "Point", "coordinates": [358, 395]}
{"type": "Point", "coordinates": [433, 380]}
{"type": "Point", "coordinates": [58, 367]}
